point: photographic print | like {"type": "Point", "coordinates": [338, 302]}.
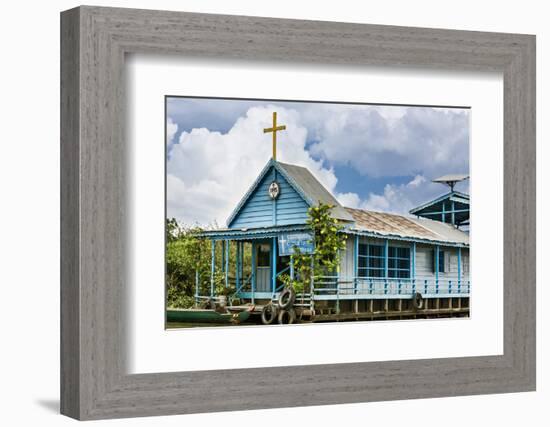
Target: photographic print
{"type": "Point", "coordinates": [290, 212]}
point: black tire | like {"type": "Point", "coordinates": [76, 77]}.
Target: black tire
{"type": "Point", "coordinates": [269, 314]}
{"type": "Point", "coordinates": [286, 298]}
{"type": "Point", "coordinates": [287, 317]}
{"type": "Point", "coordinates": [418, 301]}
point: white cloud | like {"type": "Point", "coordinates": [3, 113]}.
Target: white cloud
{"type": "Point", "coordinates": [209, 172]}
{"type": "Point", "coordinates": [350, 200]}
{"type": "Point", "coordinates": [407, 141]}
{"type": "Point", "coordinates": [171, 130]}
{"type": "Point", "coordinates": [399, 198]}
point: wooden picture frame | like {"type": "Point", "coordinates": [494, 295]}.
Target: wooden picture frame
{"type": "Point", "coordinates": [94, 41]}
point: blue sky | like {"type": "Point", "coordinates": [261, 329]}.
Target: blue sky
{"type": "Point", "coordinates": [376, 157]}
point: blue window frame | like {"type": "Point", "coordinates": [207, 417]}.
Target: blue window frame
{"type": "Point", "coordinates": [399, 262]}
{"type": "Point", "coordinates": [371, 261]}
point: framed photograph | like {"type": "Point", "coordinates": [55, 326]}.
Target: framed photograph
{"type": "Point", "coordinates": [347, 210]}
{"type": "Point", "coordinates": [329, 223]}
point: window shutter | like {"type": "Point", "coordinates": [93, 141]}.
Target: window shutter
{"type": "Point", "coordinates": [434, 263]}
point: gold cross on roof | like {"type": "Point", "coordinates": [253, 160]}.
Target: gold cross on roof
{"type": "Point", "coordinates": [275, 129]}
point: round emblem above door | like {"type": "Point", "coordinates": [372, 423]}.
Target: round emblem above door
{"type": "Point", "coordinates": [274, 190]}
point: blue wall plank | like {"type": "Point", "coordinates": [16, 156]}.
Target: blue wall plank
{"type": "Point", "coordinates": [260, 211]}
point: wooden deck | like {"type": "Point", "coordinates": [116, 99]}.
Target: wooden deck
{"type": "Point", "coordinates": [375, 309]}
{"type": "Point", "coordinates": [388, 315]}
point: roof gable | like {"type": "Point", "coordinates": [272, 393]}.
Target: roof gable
{"type": "Point", "coordinates": [299, 190]}
{"type": "Point", "coordinates": [257, 209]}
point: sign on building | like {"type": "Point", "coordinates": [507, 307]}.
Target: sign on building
{"type": "Point", "coordinates": [287, 242]}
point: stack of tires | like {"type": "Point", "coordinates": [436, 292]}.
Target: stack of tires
{"type": "Point", "coordinates": [282, 310]}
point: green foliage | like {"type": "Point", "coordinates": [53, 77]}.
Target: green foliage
{"type": "Point", "coordinates": [188, 256]}
{"type": "Point", "coordinates": [219, 285]}
{"type": "Point", "coordinates": [325, 259]}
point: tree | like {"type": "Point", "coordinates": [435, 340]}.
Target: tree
{"type": "Point", "coordinates": [325, 259]}
{"type": "Point", "coordinates": [186, 256]}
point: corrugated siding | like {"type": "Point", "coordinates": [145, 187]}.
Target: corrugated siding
{"type": "Point", "coordinates": [346, 261]}
{"type": "Point", "coordinates": [424, 262]}
{"type": "Point", "coordinates": [261, 211]}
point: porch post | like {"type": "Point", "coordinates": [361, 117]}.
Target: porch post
{"type": "Point", "coordinates": [241, 261]}
{"type": "Point", "coordinates": [226, 268]}
{"type": "Point", "coordinates": [453, 212]}
{"type": "Point", "coordinates": [312, 285]}
{"type": "Point", "coordinates": [253, 262]}
{"type": "Point", "coordinates": [273, 264]}
{"type": "Point", "coordinates": [443, 212]}
{"type": "Point", "coordinates": [338, 284]}
{"type": "Point", "coordinates": [355, 263]}
{"type": "Point", "coordinates": [459, 250]}
{"type": "Point", "coordinates": [386, 254]}
{"type": "Point", "coordinates": [237, 261]}
{"type": "Point", "coordinates": [291, 267]}
{"type": "Point", "coordinates": [413, 266]}
{"type": "Point", "coordinates": [212, 268]}
{"type": "Point", "coordinates": [437, 269]}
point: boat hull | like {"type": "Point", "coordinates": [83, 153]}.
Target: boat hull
{"type": "Point", "coordinates": [204, 316]}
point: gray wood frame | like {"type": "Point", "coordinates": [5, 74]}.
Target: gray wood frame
{"type": "Point", "coordinates": [94, 40]}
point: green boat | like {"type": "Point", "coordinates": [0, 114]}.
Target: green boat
{"type": "Point", "coordinates": [198, 315]}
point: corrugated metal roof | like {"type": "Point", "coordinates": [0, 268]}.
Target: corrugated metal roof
{"type": "Point", "coordinates": [314, 190]}
{"type": "Point", "coordinates": [447, 232]}
{"type": "Point", "coordinates": [251, 233]}
{"type": "Point", "coordinates": [415, 228]}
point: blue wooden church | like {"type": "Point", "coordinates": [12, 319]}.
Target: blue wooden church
{"type": "Point", "coordinates": [393, 265]}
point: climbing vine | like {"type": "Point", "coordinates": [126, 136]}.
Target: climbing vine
{"type": "Point", "coordinates": [325, 259]}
